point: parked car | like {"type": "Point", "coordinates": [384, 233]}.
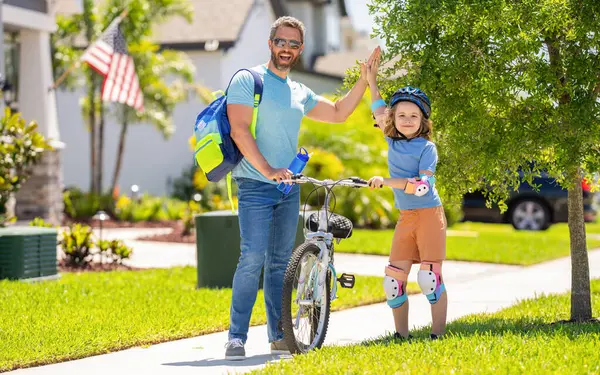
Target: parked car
{"type": "Point", "coordinates": [529, 209]}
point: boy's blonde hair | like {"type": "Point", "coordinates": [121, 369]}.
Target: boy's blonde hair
{"type": "Point", "coordinates": [389, 127]}
{"type": "Point", "coordinates": [289, 22]}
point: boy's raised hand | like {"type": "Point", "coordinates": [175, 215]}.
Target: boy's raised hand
{"type": "Point", "coordinates": [375, 182]}
{"type": "Point", "coordinates": [373, 66]}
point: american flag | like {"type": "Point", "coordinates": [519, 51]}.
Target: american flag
{"type": "Point", "coordinates": [109, 57]}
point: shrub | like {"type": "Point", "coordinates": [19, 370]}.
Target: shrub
{"type": "Point", "coordinates": [148, 208]}
{"type": "Point", "coordinates": [191, 210]}
{"type": "Point", "coordinates": [21, 147]}
{"type": "Point", "coordinates": [80, 205]}
{"type": "Point", "coordinates": [81, 248]}
{"type": "Point", "coordinates": [39, 222]}
{"type": "Point", "coordinates": [78, 245]}
{"type": "Point", "coordinates": [113, 250]}
{"type": "Point", "coordinates": [350, 149]}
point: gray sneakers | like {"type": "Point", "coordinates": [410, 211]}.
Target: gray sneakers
{"type": "Point", "coordinates": [234, 350]}
{"type": "Point", "coordinates": [279, 347]}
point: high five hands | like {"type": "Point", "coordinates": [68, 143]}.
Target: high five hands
{"type": "Point", "coordinates": [368, 69]}
{"type": "Point", "coordinates": [372, 67]}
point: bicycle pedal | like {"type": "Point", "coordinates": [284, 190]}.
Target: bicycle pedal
{"type": "Point", "coordinates": [346, 280]}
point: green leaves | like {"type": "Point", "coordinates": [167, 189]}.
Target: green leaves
{"type": "Point", "coordinates": [81, 248]}
{"type": "Point", "coordinates": [510, 83]}
{"type": "Point", "coordinates": [21, 147]}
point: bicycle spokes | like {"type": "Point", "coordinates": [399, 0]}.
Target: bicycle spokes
{"type": "Point", "coordinates": [307, 297]}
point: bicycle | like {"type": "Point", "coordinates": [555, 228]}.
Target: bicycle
{"type": "Point", "coordinates": [307, 289]}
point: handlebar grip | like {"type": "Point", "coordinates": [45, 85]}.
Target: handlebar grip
{"type": "Point", "coordinates": [358, 180]}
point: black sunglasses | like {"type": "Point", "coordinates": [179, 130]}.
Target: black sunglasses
{"type": "Point", "coordinates": [281, 43]}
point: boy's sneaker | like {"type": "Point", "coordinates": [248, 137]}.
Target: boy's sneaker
{"type": "Point", "coordinates": [398, 336]}
{"type": "Point", "coordinates": [235, 350]}
{"type": "Point", "coordinates": [279, 347]}
{"type": "Point", "coordinates": [433, 336]}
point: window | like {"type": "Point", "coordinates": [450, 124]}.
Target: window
{"type": "Point", "coordinates": [11, 60]}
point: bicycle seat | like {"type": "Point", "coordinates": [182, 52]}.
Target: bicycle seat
{"type": "Point", "coordinates": [340, 226]}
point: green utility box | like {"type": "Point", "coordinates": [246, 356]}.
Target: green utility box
{"type": "Point", "coordinates": [28, 253]}
{"type": "Point", "coordinates": [218, 247]}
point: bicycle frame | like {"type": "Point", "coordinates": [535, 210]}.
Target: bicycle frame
{"type": "Point", "coordinates": [307, 275]}
{"type": "Point", "coordinates": [322, 238]}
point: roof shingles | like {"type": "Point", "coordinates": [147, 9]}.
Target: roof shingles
{"type": "Point", "coordinates": [220, 20]}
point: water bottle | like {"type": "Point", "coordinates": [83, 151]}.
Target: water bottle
{"type": "Point", "coordinates": [296, 167]}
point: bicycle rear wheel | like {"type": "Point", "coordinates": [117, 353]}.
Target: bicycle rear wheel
{"type": "Point", "coordinates": [305, 316]}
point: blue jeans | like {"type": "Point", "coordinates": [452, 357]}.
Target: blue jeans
{"type": "Point", "coordinates": [268, 222]}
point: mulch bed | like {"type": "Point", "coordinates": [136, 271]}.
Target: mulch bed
{"type": "Point", "coordinates": [94, 267]}
{"type": "Point", "coordinates": [175, 236]}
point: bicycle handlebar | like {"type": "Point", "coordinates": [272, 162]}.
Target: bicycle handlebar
{"type": "Point", "coordinates": [355, 182]}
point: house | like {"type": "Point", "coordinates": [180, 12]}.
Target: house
{"type": "Point", "coordinates": [223, 37]}
{"type": "Point", "coordinates": [26, 64]}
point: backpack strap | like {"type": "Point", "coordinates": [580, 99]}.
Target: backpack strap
{"type": "Point", "coordinates": [258, 90]}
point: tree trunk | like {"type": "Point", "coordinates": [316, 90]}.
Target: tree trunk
{"type": "Point", "coordinates": [120, 152]}
{"type": "Point", "coordinates": [581, 303]}
{"type": "Point", "coordinates": [100, 168]}
{"type": "Point", "coordinates": [88, 22]}
{"type": "Point", "coordinates": [92, 123]}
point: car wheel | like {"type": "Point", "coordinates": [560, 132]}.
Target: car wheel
{"type": "Point", "coordinates": [530, 214]}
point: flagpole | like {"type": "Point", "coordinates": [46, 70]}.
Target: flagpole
{"type": "Point", "coordinates": [75, 64]}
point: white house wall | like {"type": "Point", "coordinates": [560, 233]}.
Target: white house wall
{"type": "Point", "coordinates": [304, 12]}
{"type": "Point", "coordinates": [149, 160]}
{"type": "Point", "coordinates": [319, 84]}
{"type": "Point", "coordinates": [252, 47]}
{"type": "Point", "coordinates": [27, 19]}
{"type": "Point", "coordinates": [334, 33]}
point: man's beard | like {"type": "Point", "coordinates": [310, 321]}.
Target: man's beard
{"type": "Point", "coordinates": [286, 67]}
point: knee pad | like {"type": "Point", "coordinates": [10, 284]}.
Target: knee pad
{"type": "Point", "coordinates": [430, 281]}
{"type": "Point", "coordinates": [394, 285]}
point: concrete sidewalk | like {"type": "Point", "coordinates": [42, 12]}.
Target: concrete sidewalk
{"type": "Point", "coordinates": [485, 291]}
{"type": "Point", "coordinates": [149, 254]}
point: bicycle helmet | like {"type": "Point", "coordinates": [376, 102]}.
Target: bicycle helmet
{"type": "Point", "coordinates": [414, 95]}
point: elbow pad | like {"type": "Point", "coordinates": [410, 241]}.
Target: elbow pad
{"type": "Point", "coordinates": [419, 186]}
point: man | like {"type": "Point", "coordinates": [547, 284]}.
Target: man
{"type": "Point", "coordinates": [268, 218]}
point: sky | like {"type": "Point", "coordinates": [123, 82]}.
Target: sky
{"type": "Point", "coordinates": [359, 15]}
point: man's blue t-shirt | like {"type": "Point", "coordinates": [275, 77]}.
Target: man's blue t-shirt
{"type": "Point", "coordinates": [405, 159]}
{"type": "Point", "coordinates": [284, 104]}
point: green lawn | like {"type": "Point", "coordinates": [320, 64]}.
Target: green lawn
{"type": "Point", "coordinates": [91, 313]}
{"type": "Point", "coordinates": [517, 340]}
{"type": "Point", "coordinates": [494, 243]}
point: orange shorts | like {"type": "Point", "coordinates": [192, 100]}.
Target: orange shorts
{"type": "Point", "coordinates": [420, 235]}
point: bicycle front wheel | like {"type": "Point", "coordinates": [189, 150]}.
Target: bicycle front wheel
{"type": "Point", "coordinates": [305, 304]}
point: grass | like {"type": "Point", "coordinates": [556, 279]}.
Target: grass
{"type": "Point", "coordinates": [517, 340]}
{"type": "Point", "coordinates": [495, 243]}
{"type": "Point", "coordinates": [92, 313]}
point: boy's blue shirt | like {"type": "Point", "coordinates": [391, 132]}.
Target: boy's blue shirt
{"type": "Point", "coordinates": [405, 159]}
{"type": "Point", "coordinates": [284, 104]}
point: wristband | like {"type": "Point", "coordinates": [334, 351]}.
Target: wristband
{"type": "Point", "coordinates": [376, 104]}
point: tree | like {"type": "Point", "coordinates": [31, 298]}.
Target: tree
{"type": "Point", "coordinates": [72, 35]}
{"type": "Point", "coordinates": [75, 32]}
{"type": "Point", "coordinates": [514, 86]}
{"type": "Point", "coordinates": [160, 98]}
